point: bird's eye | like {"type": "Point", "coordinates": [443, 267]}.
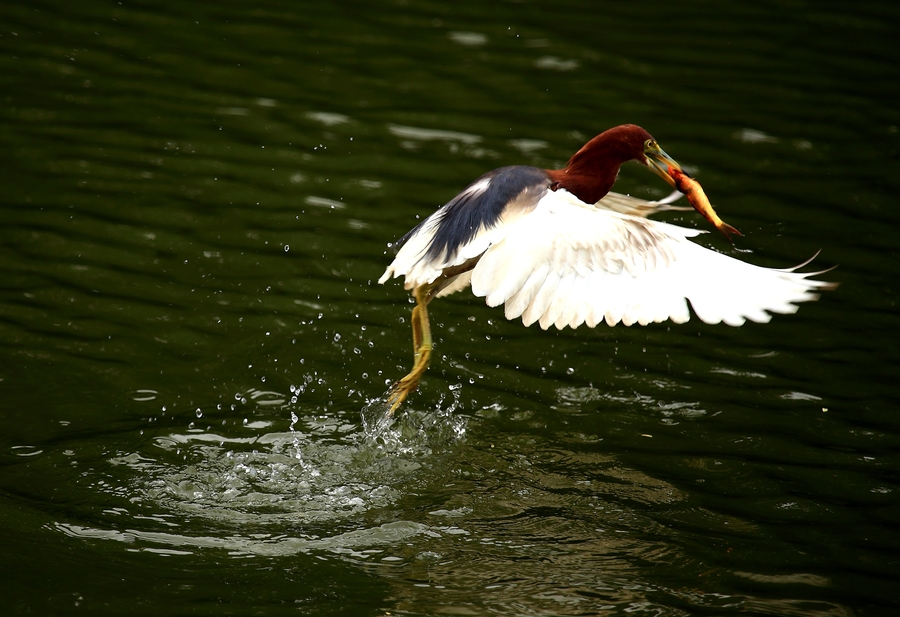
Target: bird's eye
{"type": "Point", "coordinates": [649, 144]}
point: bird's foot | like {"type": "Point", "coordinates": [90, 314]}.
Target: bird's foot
{"type": "Point", "coordinates": [399, 391]}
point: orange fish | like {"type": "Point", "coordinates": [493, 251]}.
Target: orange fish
{"type": "Point", "coordinates": [697, 198]}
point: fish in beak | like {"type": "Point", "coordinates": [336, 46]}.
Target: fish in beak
{"type": "Point", "coordinates": [671, 172]}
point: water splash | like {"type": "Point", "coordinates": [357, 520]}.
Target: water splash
{"type": "Point", "coordinates": [321, 468]}
{"type": "Point", "coordinates": [410, 427]}
{"type": "Point", "coordinates": [376, 417]}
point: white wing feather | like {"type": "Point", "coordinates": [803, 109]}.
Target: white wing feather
{"type": "Point", "coordinates": [567, 263]}
{"type": "Point", "coordinates": [412, 261]}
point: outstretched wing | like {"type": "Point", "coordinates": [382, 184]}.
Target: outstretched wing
{"type": "Point", "coordinates": [464, 228]}
{"type": "Point", "coordinates": [566, 263]}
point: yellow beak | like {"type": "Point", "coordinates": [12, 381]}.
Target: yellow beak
{"type": "Point", "coordinates": [660, 162]}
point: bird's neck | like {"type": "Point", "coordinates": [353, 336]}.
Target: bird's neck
{"type": "Point", "coordinates": [589, 182]}
{"type": "Point", "coordinates": [592, 171]}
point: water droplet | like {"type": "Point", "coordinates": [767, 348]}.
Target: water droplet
{"type": "Point", "coordinates": [199, 413]}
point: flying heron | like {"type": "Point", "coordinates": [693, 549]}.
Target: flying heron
{"type": "Point", "coordinates": [557, 248]}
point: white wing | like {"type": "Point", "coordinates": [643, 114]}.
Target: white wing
{"type": "Point", "coordinates": [626, 204]}
{"type": "Point", "coordinates": [567, 263]}
{"type": "Point", "coordinates": [413, 262]}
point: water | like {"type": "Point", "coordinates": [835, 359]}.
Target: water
{"type": "Point", "coordinates": [197, 202]}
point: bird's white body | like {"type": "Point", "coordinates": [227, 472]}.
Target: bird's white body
{"type": "Point", "coordinates": [558, 261]}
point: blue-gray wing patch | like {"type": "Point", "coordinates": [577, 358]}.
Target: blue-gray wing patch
{"type": "Point", "coordinates": [481, 205]}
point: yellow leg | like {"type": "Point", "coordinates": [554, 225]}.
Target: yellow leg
{"type": "Point", "coordinates": [422, 345]}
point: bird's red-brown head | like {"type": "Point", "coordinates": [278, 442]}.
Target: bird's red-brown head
{"type": "Point", "coordinates": [592, 171]}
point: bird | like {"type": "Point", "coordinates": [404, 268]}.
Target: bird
{"type": "Point", "coordinates": [557, 247]}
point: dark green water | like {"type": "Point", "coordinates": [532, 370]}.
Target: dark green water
{"type": "Point", "coordinates": [196, 202]}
